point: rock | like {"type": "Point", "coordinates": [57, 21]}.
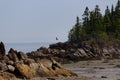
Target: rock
{"type": "Point", "coordinates": [21, 56]}
{"type": "Point", "coordinates": [44, 50]}
{"type": "Point", "coordinates": [29, 61]}
{"type": "Point", "coordinates": [10, 62]}
{"type": "Point", "coordinates": [12, 54]}
{"type": "Point", "coordinates": [3, 67]}
{"type": "Point", "coordinates": [2, 51]}
{"type": "Point", "coordinates": [53, 68]}
{"type": "Point", "coordinates": [64, 72]}
{"type": "Point", "coordinates": [24, 70]}
{"type": "Point", "coordinates": [7, 76]}
{"type": "Point", "coordinates": [51, 79]}
{"type": "Point", "coordinates": [103, 76]}
{"type": "Point", "coordinates": [41, 70]}
{"type": "Point", "coordinates": [11, 68]}
{"type": "Point", "coordinates": [35, 54]}
{"type": "Point", "coordinates": [62, 51]}
{"type": "Point", "coordinates": [49, 68]}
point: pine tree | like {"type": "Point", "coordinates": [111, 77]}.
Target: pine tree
{"type": "Point", "coordinates": [74, 34]}
{"type": "Point", "coordinates": [96, 21]}
{"type": "Point", "coordinates": [107, 21]}
{"type": "Point", "coordinates": [86, 16]}
{"type": "Point", "coordinates": [117, 20]}
{"type": "Point", "coordinates": [112, 18]}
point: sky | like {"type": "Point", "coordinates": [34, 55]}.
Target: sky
{"type": "Point", "coordinates": [42, 20]}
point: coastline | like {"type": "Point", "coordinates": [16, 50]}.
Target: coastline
{"type": "Point", "coordinates": [90, 70]}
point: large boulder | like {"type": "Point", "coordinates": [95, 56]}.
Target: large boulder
{"type": "Point", "coordinates": [52, 68]}
{"type": "Point", "coordinates": [2, 51]}
{"type": "Point", "coordinates": [24, 70]}
{"type": "Point", "coordinates": [12, 54]}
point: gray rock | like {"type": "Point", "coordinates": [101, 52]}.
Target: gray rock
{"type": "Point", "coordinates": [3, 67]}
{"type": "Point", "coordinates": [11, 68]}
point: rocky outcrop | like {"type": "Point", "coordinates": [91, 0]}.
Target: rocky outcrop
{"type": "Point", "coordinates": [82, 51]}
{"type": "Point", "coordinates": [24, 70]}
{"type": "Point", "coordinates": [37, 63]}
{"type": "Point", "coordinates": [43, 68]}
{"type": "Point", "coordinates": [2, 51]}
{"type": "Point", "coordinates": [12, 54]}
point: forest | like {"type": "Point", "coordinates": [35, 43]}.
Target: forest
{"type": "Point", "coordinates": [97, 28]}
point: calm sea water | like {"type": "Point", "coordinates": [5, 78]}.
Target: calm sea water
{"type": "Point", "coordinates": [25, 47]}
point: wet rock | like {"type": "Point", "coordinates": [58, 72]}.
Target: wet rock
{"type": "Point", "coordinates": [12, 54]}
{"type": "Point", "coordinates": [2, 51]}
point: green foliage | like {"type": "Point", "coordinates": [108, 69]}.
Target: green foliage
{"type": "Point", "coordinates": [74, 34]}
{"type": "Point", "coordinates": [97, 28]}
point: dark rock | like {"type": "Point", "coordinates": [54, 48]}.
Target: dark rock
{"type": "Point", "coordinates": [117, 66]}
{"type": "Point", "coordinates": [21, 56]}
{"type": "Point", "coordinates": [12, 54]}
{"type": "Point", "coordinates": [2, 51]}
{"type": "Point", "coordinates": [103, 76]}
{"type": "Point", "coordinates": [35, 54]}
{"type": "Point", "coordinates": [50, 78]}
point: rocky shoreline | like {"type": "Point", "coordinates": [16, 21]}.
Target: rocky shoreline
{"type": "Point", "coordinates": [26, 66]}
{"type": "Point", "coordinates": [45, 62]}
{"type": "Point", "coordinates": [68, 51]}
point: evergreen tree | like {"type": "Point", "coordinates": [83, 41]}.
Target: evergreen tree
{"type": "Point", "coordinates": [74, 34]}
{"type": "Point", "coordinates": [117, 20]}
{"type": "Point", "coordinates": [112, 18]}
{"type": "Point", "coordinates": [96, 21]}
{"type": "Point", "coordinates": [85, 18]}
{"type": "Point", "coordinates": [97, 28]}
{"type": "Point", "coordinates": [107, 21]}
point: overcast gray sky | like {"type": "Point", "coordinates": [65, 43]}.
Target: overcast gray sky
{"type": "Point", "coordinates": [42, 20]}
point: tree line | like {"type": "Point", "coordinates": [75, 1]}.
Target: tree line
{"type": "Point", "coordinates": [96, 27]}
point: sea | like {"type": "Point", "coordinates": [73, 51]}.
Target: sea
{"type": "Point", "coordinates": [25, 47]}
